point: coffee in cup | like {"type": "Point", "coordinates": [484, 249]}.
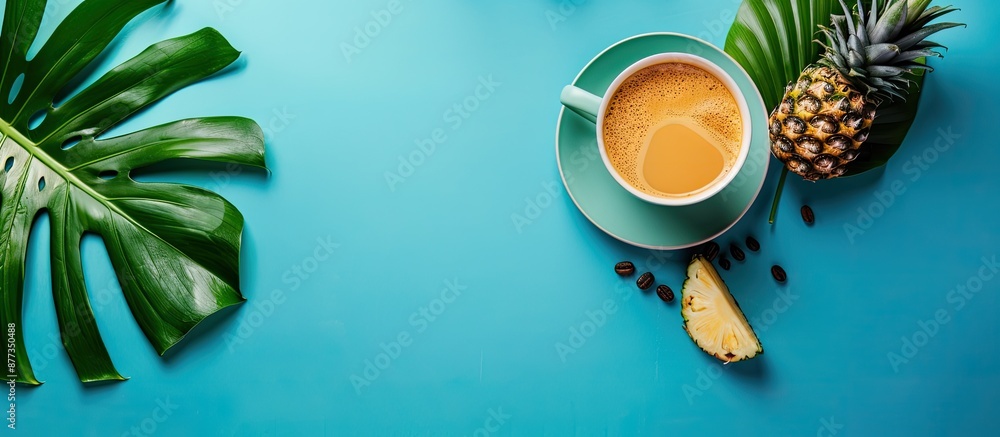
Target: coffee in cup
{"type": "Point", "coordinates": [672, 130]}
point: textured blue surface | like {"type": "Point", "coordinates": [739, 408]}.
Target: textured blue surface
{"type": "Point", "coordinates": [489, 360]}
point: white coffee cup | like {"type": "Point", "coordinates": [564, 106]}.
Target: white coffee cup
{"type": "Point", "coordinates": [595, 108]}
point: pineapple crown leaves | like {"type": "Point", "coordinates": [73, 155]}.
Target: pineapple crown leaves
{"type": "Point", "coordinates": [877, 49]}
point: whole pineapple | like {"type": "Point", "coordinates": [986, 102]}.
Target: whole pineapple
{"type": "Point", "coordinates": [827, 113]}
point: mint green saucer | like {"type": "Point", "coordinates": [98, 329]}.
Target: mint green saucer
{"type": "Point", "coordinates": [613, 209]}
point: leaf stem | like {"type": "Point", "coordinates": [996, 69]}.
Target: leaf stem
{"type": "Point", "coordinates": [777, 194]}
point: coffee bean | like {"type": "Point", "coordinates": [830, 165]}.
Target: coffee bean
{"type": "Point", "coordinates": [665, 293]}
{"type": "Point", "coordinates": [753, 244]}
{"type": "Point", "coordinates": [807, 214]}
{"type": "Point", "coordinates": [645, 281]}
{"type": "Point", "coordinates": [779, 273]}
{"type": "Point", "coordinates": [724, 263]}
{"type": "Point", "coordinates": [711, 250]}
{"type": "Point", "coordinates": [625, 268]}
{"type": "Point", "coordinates": [736, 252]}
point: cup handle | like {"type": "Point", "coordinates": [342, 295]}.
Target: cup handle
{"type": "Point", "coordinates": [581, 102]}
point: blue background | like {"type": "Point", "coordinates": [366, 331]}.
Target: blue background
{"type": "Point", "coordinates": [337, 123]}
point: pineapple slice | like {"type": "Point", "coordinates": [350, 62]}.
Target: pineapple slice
{"type": "Point", "coordinates": [712, 317]}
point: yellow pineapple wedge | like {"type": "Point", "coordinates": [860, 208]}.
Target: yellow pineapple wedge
{"type": "Point", "coordinates": [712, 317]}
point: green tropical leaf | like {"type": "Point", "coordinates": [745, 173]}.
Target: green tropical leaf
{"type": "Point", "coordinates": [774, 40]}
{"type": "Point", "coordinates": [174, 248]}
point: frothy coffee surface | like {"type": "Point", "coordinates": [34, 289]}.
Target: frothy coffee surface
{"type": "Point", "coordinates": [653, 116]}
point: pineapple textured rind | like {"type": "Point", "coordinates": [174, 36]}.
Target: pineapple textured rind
{"type": "Point", "coordinates": [826, 115]}
{"type": "Point", "coordinates": [820, 124]}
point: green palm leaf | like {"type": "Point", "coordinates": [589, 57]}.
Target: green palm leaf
{"type": "Point", "coordinates": [175, 248]}
{"type": "Point", "coordinates": [775, 39]}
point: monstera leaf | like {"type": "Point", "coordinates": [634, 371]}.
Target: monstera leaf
{"type": "Point", "coordinates": [175, 248]}
{"type": "Point", "coordinates": [775, 39]}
